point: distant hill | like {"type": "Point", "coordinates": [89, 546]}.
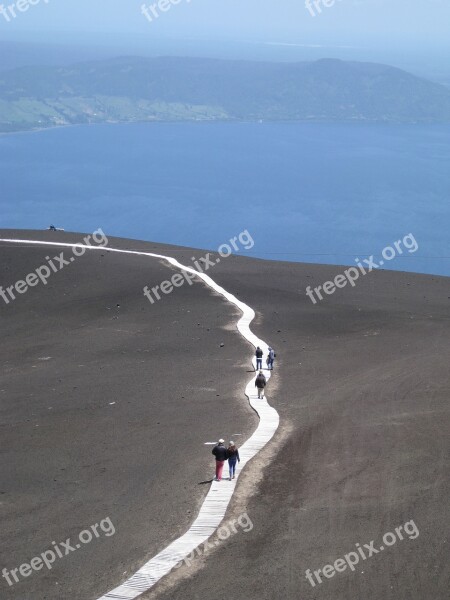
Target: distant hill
{"type": "Point", "coordinates": [180, 89]}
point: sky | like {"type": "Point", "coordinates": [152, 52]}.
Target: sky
{"type": "Point", "coordinates": [410, 34]}
{"type": "Point", "coordinates": [275, 20]}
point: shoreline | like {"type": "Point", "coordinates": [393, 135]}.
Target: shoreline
{"type": "Point", "coordinates": [236, 254]}
{"type": "Point", "coordinates": [313, 121]}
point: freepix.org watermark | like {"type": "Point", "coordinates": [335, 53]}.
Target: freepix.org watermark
{"type": "Point", "coordinates": [43, 273]}
{"type": "Point", "coordinates": [351, 559]}
{"type": "Point", "coordinates": [223, 533]}
{"type": "Point", "coordinates": [60, 550]}
{"type": "Point", "coordinates": [12, 11]}
{"type": "Point", "coordinates": [352, 274]}
{"type": "Point", "coordinates": [202, 265]}
{"type": "Point", "coordinates": [154, 11]}
{"type": "Point", "coordinates": [315, 6]}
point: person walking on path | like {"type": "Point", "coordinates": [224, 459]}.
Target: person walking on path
{"type": "Point", "coordinates": [259, 356]}
{"type": "Point", "coordinates": [221, 454]}
{"type": "Point", "coordinates": [260, 383]}
{"type": "Point", "coordinates": [270, 359]}
{"type": "Point", "coordinates": [233, 457]}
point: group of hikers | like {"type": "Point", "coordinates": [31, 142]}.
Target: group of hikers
{"type": "Point", "coordinates": [232, 453]}
{"type": "Point", "coordinates": [222, 454]}
{"type": "Point", "coordinates": [261, 381]}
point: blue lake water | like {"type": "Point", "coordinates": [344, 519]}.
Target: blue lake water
{"type": "Point", "coordinates": [305, 191]}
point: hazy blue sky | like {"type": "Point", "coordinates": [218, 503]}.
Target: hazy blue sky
{"type": "Point", "coordinates": [275, 20]}
{"type": "Point", "coordinates": [410, 34]}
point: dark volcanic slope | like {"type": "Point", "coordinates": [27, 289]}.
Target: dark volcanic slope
{"type": "Point", "coordinates": [361, 385]}
{"type": "Point", "coordinates": [69, 457]}
{"type": "Point", "coordinates": [363, 382]}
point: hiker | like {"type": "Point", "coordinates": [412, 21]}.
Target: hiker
{"type": "Point", "coordinates": [220, 452]}
{"type": "Point", "coordinates": [260, 383]}
{"type": "Point", "coordinates": [270, 359]}
{"type": "Point", "coordinates": [259, 356]}
{"type": "Point", "coordinates": [233, 457]}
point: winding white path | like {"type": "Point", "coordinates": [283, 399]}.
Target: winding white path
{"type": "Point", "coordinates": [218, 498]}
